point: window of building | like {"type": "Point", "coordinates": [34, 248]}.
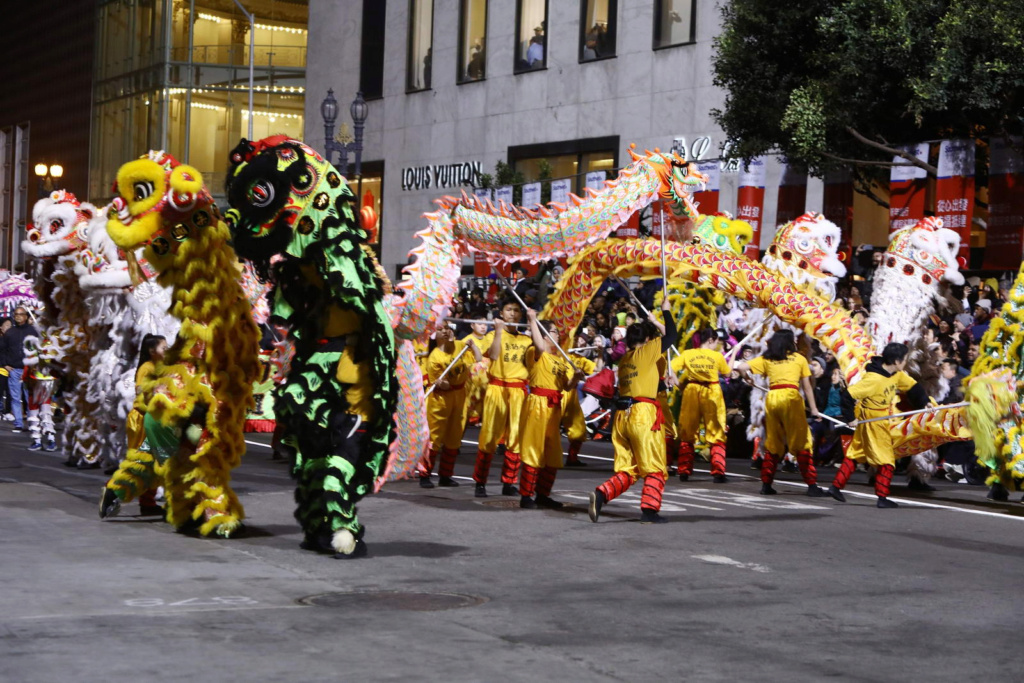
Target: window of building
{"type": "Point", "coordinates": [531, 35]}
{"type": "Point", "coordinates": [674, 22]}
{"type": "Point", "coordinates": [420, 51]}
{"type": "Point", "coordinates": [371, 56]}
{"type": "Point", "coordinates": [472, 41]}
{"type": "Point", "coordinates": [597, 29]}
{"type": "Point", "coordinates": [572, 160]}
{"type": "Point", "coordinates": [370, 190]}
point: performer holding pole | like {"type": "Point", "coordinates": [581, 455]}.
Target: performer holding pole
{"type": "Point", "coordinates": [703, 403]}
{"type": "Point", "coordinates": [550, 377]}
{"type": "Point", "coordinates": [573, 419]}
{"type": "Point", "coordinates": [785, 421]}
{"type": "Point", "coordinates": [876, 394]}
{"type": "Point", "coordinates": [637, 432]}
{"type": "Point", "coordinates": [503, 401]}
{"type": "Point", "coordinates": [447, 369]}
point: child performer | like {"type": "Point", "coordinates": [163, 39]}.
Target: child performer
{"type": "Point", "coordinates": [446, 405]}
{"type": "Point", "coordinates": [551, 376]}
{"type": "Point", "coordinates": [785, 420]}
{"type": "Point", "coordinates": [136, 475]}
{"type": "Point", "coordinates": [637, 433]}
{"type": "Point", "coordinates": [876, 394]}
{"type": "Point", "coordinates": [703, 403]}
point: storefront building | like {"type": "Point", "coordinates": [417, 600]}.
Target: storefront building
{"type": "Point", "coordinates": [174, 75]}
{"type": "Point", "coordinates": [454, 86]}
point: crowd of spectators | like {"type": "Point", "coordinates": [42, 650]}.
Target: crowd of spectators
{"type": "Point", "coordinates": [954, 332]}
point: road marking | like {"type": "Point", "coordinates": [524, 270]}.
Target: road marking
{"type": "Point", "coordinates": [729, 562]}
{"type": "Point", "coordinates": [257, 443]}
{"type": "Point", "coordinates": [233, 600]}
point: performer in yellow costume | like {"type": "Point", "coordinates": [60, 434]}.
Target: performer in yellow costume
{"type": "Point", "coordinates": [551, 376]}
{"type": "Point", "coordinates": [573, 419]}
{"type": "Point", "coordinates": [666, 383]}
{"type": "Point", "coordinates": [703, 403]}
{"type": "Point", "coordinates": [446, 405]}
{"type": "Point", "coordinates": [637, 431]}
{"type": "Point", "coordinates": [476, 385]}
{"type": "Point", "coordinates": [503, 401]}
{"type": "Point", "coordinates": [876, 395]}
{"type": "Point", "coordinates": [785, 421]}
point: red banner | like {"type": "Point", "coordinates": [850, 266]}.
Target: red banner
{"type": "Point", "coordinates": [1004, 246]}
{"type": "Point", "coordinates": [837, 203]}
{"type": "Point", "coordinates": [908, 187]}
{"type": "Point", "coordinates": [750, 202]}
{"type": "Point", "coordinates": [954, 189]}
{"type": "Point", "coordinates": [792, 194]}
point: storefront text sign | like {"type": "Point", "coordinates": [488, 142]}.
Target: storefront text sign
{"type": "Point", "coordinates": [750, 201]}
{"type": "Point", "coordinates": [560, 190]}
{"type": "Point", "coordinates": [531, 195]}
{"type": "Point", "coordinates": [442, 176]}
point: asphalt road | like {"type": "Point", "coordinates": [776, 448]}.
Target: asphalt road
{"type": "Point", "coordinates": [737, 586]}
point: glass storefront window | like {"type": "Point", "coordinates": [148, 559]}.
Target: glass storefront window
{"type": "Point", "coordinates": [674, 22]}
{"type": "Point", "coordinates": [370, 190]}
{"type": "Point", "coordinates": [574, 166]}
{"type": "Point", "coordinates": [597, 29]}
{"type": "Point", "coordinates": [420, 50]}
{"type": "Point", "coordinates": [472, 59]}
{"type": "Point", "coordinates": [531, 35]}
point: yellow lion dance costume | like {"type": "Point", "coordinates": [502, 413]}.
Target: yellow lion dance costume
{"type": "Point", "coordinates": [195, 401]}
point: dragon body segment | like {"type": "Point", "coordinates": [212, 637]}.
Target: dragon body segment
{"type": "Point", "coordinates": [504, 233]}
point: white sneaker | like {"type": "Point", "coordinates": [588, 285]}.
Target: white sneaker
{"type": "Point", "coordinates": [8, 417]}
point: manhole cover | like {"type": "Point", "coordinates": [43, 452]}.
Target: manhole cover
{"type": "Point", "coordinates": [505, 504]}
{"type": "Point", "coordinates": [394, 600]}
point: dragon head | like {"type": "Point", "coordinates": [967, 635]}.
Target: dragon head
{"type": "Point", "coordinates": [678, 180]}
{"type": "Point", "coordinates": [284, 197]}
{"type": "Point", "coordinates": [59, 225]}
{"type": "Point", "coordinates": [159, 203]}
{"type": "Point", "coordinates": [724, 232]}
{"type": "Point", "coordinates": [926, 250]}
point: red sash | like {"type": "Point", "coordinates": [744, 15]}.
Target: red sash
{"type": "Point", "coordinates": [660, 418]}
{"type": "Point", "coordinates": [553, 396]}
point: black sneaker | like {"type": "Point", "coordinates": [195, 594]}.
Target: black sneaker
{"type": "Point", "coordinates": [915, 484]}
{"type": "Point", "coordinates": [18, 430]}
{"type": "Point", "coordinates": [151, 511]}
{"type": "Point", "coordinates": [815, 491]}
{"type": "Point", "coordinates": [789, 466]}
{"type": "Point", "coordinates": [548, 502]}
{"type": "Point", "coordinates": [597, 502]}
{"type": "Point", "coordinates": [767, 490]}
{"type": "Point", "coordinates": [509, 490]}
{"type": "Point", "coordinates": [575, 463]}
{"type": "Point", "coordinates": [70, 462]}
{"type": "Point", "coordinates": [446, 482]}
{"type": "Point", "coordinates": [425, 483]}
{"type": "Point", "coordinates": [755, 464]}
{"type": "Point", "coordinates": [527, 503]}
{"type": "Point", "coordinates": [359, 551]}
{"type": "Point", "coordinates": [651, 517]}
{"type": "Point", "coordinates": [836, 493]}
{"type": "Point", "coordinates": [720, 479]}
{"type": "Point", "coordinates": [319, 543]}
{"type": "Point", "coordinates": [481, 491]}
{"type": "Point", "coordinates": [884, 502]}
{"type": "Point", "coordinates": [110, 504]}
{"type": "Point", "coordinates": [684, 477]}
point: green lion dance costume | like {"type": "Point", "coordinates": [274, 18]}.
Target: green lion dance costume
{"type": "Point", "coordinates": [195, 401]}
{"type": "Point", "coordinates": [293, 216]}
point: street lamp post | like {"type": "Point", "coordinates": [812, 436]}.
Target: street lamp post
{"type": "Point", "coordinates": [48, 176]}
{"type": "Point", "coordinates": [359, 111]}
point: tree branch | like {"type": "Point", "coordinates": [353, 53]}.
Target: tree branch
{"type": "Point", "coordinates": [933, 171]}
{"type": "Point", "coordinates": [864, 187]}
{"type": "Point", "coordinates": [865, 162]}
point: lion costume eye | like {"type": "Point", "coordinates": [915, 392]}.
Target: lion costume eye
{"type": "Point", "coordinates": [261, 194]}
{"type": "Point", "coordinates": [143, 189]}
{"type": "Point", "coordinates": [56, 225]}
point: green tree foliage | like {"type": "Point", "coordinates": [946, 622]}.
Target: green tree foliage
{"type": "Point", "coordinates": [840, 84]}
